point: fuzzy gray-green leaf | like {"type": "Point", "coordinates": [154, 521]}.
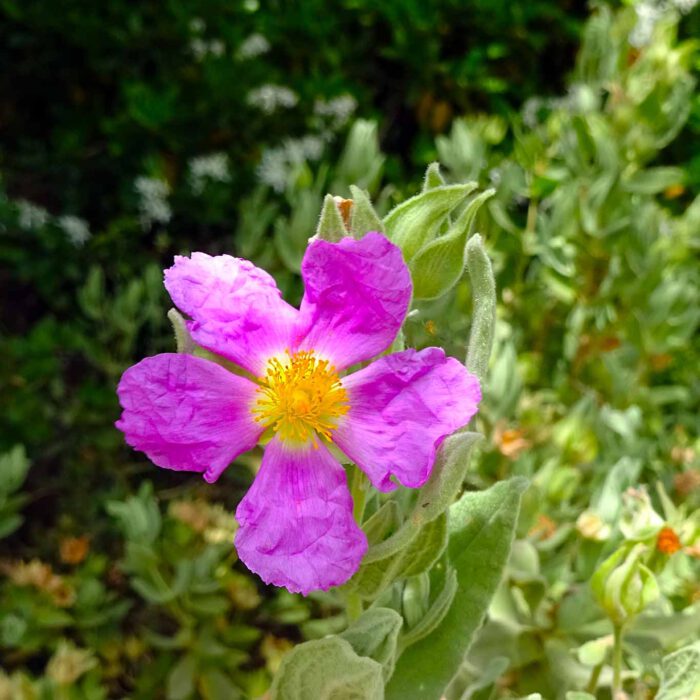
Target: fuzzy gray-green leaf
{"type": "Point", "coordinates": [484, 308]}
{"type": "Point", "coordinates": [481, 528]}
{"type": "Point", "coordinates": [447, 476]}
{"type": "Point", "coordinates": [417, 221]}
{"type": "Point", "coordinates": [681, 674]}
{"type": "Point", "coordinates": [433, 177]}
{"type": "Point", "coordinates": [435, 614]}
{"type": "Point", "coordinates": [363, 217]}
{"type": "Point", "coordinates": [415, 557]}
{"type": "Point", "coordinates": [375, 634]}
{"type": "Point", "coordinates": [330, 224]}
{"type": "Point", "coordinates": [437, 267]}
{"type": "Point", "coordinates": [327, 669]}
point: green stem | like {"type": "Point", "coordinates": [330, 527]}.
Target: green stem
{"type": "Point", "coordinates": [354, 607]}
{"type": "Point", "coordinates": [617, 662]}
{"type": "Point", "coordinates": [358, 491]}
{"type": "Point", "coordinates": [593, 681]}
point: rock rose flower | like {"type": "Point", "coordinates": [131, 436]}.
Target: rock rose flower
{"type": "Point", "coordinates": [296, 527]}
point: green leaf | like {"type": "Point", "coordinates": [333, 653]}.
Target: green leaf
{"type": "Point", "coordinates": [327, 669]}
{"type": "Point", "coordinates": [664, 631]}
{"type": "Point", "coordinates": [594, 653]}
{"type": "Point", "coordinates": [361, 162]}
{"type": "Point", "coordinates": [481, 527]}
{"type": "Point", "coordinates": [363, 217]}
{"type": "Point", "coordinates": [374, 634]}
{"type": "Point", "coordinates": [681, 674]}
{"type": "Point", "coordinates": [437, 267]}
{"type": "Point", "coordinates": [381, 522]}
{"type": "Point", "coordinates": [435, 614]}
{"type": "Point", "coordinates": [415, 598]}
{"type": "Point", "coordinates": [14, 466]}
{"type": "Point", "coordinates": [415, 222]}
{"type": "Point", "coordinates": [433, 177]}
{"type": "Point", "coordinates": [446, 478]}
{"type": "Point", "coordinates": [484, 308]}
{"type": "Point", "coordinates": [180, 684]}
{"type": "Point", "coordinates": [654, 180]}
{"type": "Point", "coordinates": [138, 516]}
{"type": "Point", "coordinates": [9, 523]}
{"type": "Point", "coordinates": [412, 559]}
{"type": "Point", "coordinates": [330, 225]}
{"type": "Point", "coordinates": [215, 685]}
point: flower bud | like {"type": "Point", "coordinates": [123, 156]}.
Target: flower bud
{"type": "Point", "coordinates": [639, 520]}
{"type": "Point", "coordinates": [623, 585]}
{"type": "Point", "coordinates": [592, 527]}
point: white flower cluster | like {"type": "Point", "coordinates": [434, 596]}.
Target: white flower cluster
{"type": "Point", "coordinates": [277, 163]}
{"type": "Point", "coordinates": [153, 201]}
{"type": "Point", "coordinates": [253, 46]}
{"type": "Point", "coordinates": [31, 215]}
{"type": "Point", "coordinates": [210, 168]}
{"type": "Point", "coordinates": [269, 98]}
{"type": "Point", "coordinates": [648, 14]}
{"type": "Point", "coordinates": [338, 110]}
{"type": "Point", "coordinates": [201, 47]}
{"type": "Point", "coordinates": [75, 228]}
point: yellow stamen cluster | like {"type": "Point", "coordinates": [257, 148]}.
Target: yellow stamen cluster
{"type": "Point", "coordinates": [299, 397]}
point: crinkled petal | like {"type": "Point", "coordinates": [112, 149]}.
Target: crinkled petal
{"type": "Point", "coordinates": [356, 297]}
{"type": "Point", "coordinates": [187, 413]}
{"type": "Point", "coordinates": [237, 310]}
{"type": "Point", "coordinates": [401, 408]}
{"type": "Point", "coordinates": [296, 525]}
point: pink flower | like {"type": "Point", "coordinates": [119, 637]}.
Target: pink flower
{"type": "Point", "coordinates": [186, 413]}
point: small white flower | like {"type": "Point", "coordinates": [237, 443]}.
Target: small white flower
{"type": "Point", "coordinates": [685, 6]}
{"type": "Point", "coordinates": [277, 163]}
{"type": "Point", "coordinates": [217, 47]}
{"type": "Point", "coordinates": [253, 46]}
{"type": "Point", "coordinates": [153, 201]}
{"type": "Point", "coordinates": [273, 169]}
{"type": "Point", "coordinates": [339, 109]}
{"type": "Point", "coordinates": [197, 25]}
{"type": "Point", "coordinates": [213, 167]}
{"type": "Point", "coordinates": [269, 98]}
{"type": "Point", "coordinates": [75, 228]}
{"type": "Point", "coordinates": [31, 215]}
{"type": "Point", "coordinates": [201, 48]}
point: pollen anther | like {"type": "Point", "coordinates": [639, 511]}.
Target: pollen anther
{"type": "Point", "coordinates": [300, 397]}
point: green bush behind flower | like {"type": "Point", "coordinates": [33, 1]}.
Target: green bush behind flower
{"type": "Point", "coordinates": [111, 590]}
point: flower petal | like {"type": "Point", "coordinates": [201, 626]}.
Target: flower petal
{"type": "Point", "coordinates": [401, 408]}
{"type": "Point", "coordinates": [296, 525]}
{"type": "Point", "coordinates": [356, 297]}
{"type": "Point", "coordinates": [187, 413]}
{"type": "Point", "coordinates": [237, 310]}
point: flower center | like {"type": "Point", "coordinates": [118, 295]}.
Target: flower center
{"type": "Point", "coordinates": [300, 396]}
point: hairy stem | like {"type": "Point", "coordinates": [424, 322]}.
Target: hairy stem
{"type": "Point", "coordinates": [358, 491]}
{"type": "Point", "coordinates": [617, 662]}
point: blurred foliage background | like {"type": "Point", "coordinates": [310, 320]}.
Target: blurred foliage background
{"type": "Point", "coordinates": [130, 132]}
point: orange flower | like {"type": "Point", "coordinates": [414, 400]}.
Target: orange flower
{"type": "Point", "coordinates": [73, 550]}
{"type": "Point", "coordinates": [667, 541]}
{"type": "Point", "coordinates": [544, 528]}
{"type": "Point", "coordinates": [510, 441]}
